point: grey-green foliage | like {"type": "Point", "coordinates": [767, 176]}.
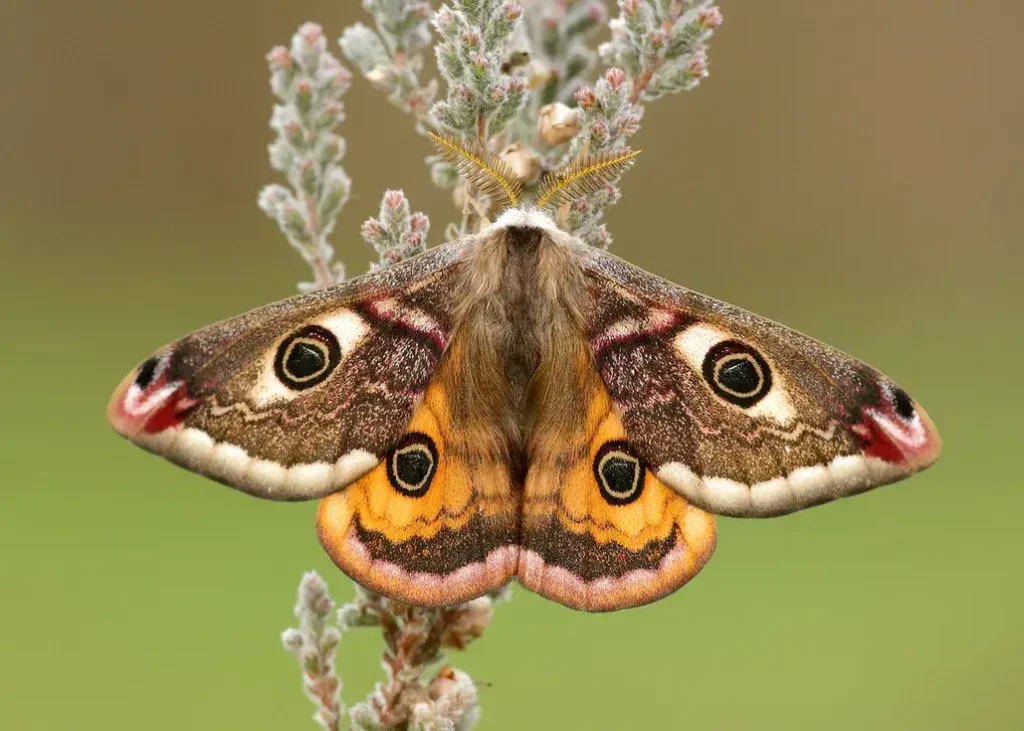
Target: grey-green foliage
{"type": "Point", "coordinates": [662, 44]}
{"type": "Point", "coordinates": [472, 50]}
{"type": "Point", "coordinates": [309, 84]}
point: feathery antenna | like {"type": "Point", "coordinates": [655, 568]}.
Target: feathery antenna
{"type": "Point", "coordinates": [583, 176]}
{"type": "Point", "coordinates": [484, 170]}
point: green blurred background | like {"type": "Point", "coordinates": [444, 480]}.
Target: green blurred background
{"type": "Point", "coordinates": [851, 169]}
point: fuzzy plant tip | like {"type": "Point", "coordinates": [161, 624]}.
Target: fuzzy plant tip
{"type": "Point", "coordinates": [314, 644]}
{"type": "Point", "coordinates": [309, 84]}
{"type": "Point", "coordinates": [420, 690]}
{"type": "Point", "coordinates": [396, 233]}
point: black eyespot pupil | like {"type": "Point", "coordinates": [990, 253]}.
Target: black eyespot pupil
{"type": "Point", "coordinates": [413, 467]}
{"type": "Point", "coordinates": [146, 372]}
{"type": "Point", "coordinates": [904, 404]}
{"type": "Point", "coordinates": [619, 474]}
{"type": "Point", "coordinates": [739, 375]}
{"type": "Point", "coordinates": [307, 357]}
{"type": "Point", "coordinates": [305, 360]}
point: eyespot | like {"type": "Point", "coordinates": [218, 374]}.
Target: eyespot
{"type": "Point", "coordinates": [619, 473]}
{"type": "Point", "coordinates": [737, 373]}
{"type": "Point", "coordinates": [412, 464]}
{"type": "Point", "coordinates": [307, 357]}
{"type": "Point", "coordinates": [903, 403]}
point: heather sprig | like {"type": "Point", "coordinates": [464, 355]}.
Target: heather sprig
{"type": "Point", "coordinates": [419, 691]}
{"type": "Point", "coordinates": [558, 60]}
{"type": "Point", "coordinates": [391, 57]}
{"type": "Point", "coordinates": [473, 50]}
{"type": "Point", "coordinates": [474, 53]}
{"type": "Point", "coordinates": [519, 81]}
{"type": "Point", "coordinates": [396, 233]}
{"type": "Point", "coordinates": [314, 643]}
{"type": "Point", "coordinates": [607, 120]}
{"type": "Point", "coordinates": [309, 83]}
{"type": "Point", "coordinates": [662, 45]}
{"type": "Point", "coordinates": [662, 48]}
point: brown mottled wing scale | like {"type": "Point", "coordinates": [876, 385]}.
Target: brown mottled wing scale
{"type": "Point", "coordinates": [299, 398]}
{"type": "Point", "coordinates": [741, 415]}
{"type": "Point", "coordinates": [448, 538]}
{"type": "Point", "coordinates": [599, 531]}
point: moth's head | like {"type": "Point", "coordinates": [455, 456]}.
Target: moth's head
{"type": "Point", "coordinates": [526, 217]}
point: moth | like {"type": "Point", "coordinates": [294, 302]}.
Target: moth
{"type": "Point", "coordinates": [517, 404]}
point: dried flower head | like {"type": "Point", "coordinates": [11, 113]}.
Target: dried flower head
{"type": "Point", "coordinates": [452, 704]}
{"type": "Point", "coordinates": [557, 123]}
{"type": "Point", "coordinates": [524, 162]}
{"type": "Point", "coordinates": [468, 623]}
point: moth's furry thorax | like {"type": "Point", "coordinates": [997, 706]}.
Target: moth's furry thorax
{"type": "Point", "coordinates": [521, 308]}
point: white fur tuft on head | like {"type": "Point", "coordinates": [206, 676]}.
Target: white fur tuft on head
{"type": "Point", "coordinates": [525, 217]}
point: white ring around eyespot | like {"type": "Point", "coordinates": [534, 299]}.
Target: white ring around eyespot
{"type": "Point", "coordinates": [637, 474]}
{"type": "Point", "coordinates": [349, 330]}
{"type": "Point", "coordinates": [423, 484]}
{"type": "Point", "coordinates": [692, 346]}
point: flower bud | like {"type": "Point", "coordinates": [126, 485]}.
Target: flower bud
{"type": "Point", "coordinates": [697, 66]}
{"type": "Point", "coordinates": [394, 199]}
{"type": "Point", "coordinates": [419, 223]}
{"type": "Point", "coordinates": [379, 75]}
{"type": "Point", "coordinates": [616, 77]}
{"type": "Point", "coordinates": [512, 11]}
{"type": "Point", "coordinates": [586, 98]}
{"type": "Point", "coordinates": [280, 59]}
{"type": "Point", "coordinates": [710, 18]}
{"type": "Point", "coordinates": [370, 228]}
{"type": "Point", "coordinates": [292, 640]}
